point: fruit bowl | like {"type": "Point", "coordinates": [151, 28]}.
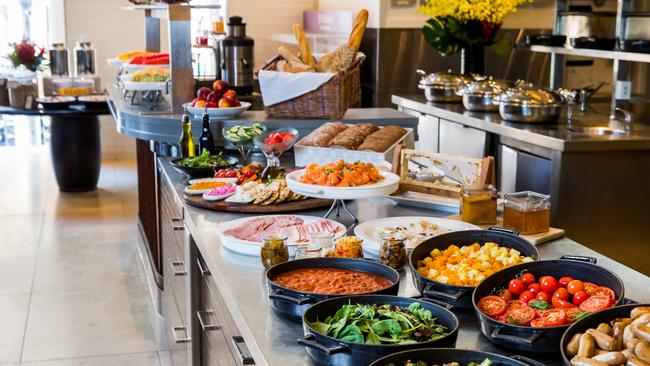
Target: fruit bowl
{"type": "Point", "coordinates": [218, 113]}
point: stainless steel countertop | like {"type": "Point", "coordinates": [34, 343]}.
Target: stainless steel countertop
{"type": "Point", "coordinates": [272, 339]}
{"type": "Point", "coordinates": [555, 137]}
{"type": "Point", "coordinates": [142, 122]}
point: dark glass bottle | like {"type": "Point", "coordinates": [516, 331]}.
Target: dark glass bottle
{"type": "Point", "coordinates": [186, 141]}
{"type": "Point", "coordinates": [206, 141]}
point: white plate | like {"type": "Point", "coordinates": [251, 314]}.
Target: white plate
{"type": "Point", "coordinates": [114, 63]}
{"type": "Point", "coordinates": [252, 248]}
{"type": "Point", "coordinates": [369, 230]}
{"type": "Point", "coordinates": [142, 86]}
{"type": "Point", "coordinates": [218, 113]}
{"type": "Point", "coordinates": [196, 192]}
{"type": "Point", "coordinates": [135, 67]}
{"type": "Point", "coordinates": [200, 180]}
{"type": "Point", "coordinates": [388, 185]}
{"type": "Point", "coordinates": [216, 198]}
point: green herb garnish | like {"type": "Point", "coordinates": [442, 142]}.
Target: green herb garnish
{"type": "Point", "coordinates": [541, 305]}
{"type": "Point", "coordinates": [205, 160]}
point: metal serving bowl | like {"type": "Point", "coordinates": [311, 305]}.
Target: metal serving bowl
{"type": "Point", "coordinates": [482, 95]}
{"type": "Point", "coordinates": [529, 104]}
{"type": "Point", "coordinates": [442, 86]}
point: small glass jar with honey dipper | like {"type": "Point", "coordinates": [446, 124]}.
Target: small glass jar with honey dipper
{"type": "Point", "coordinates": [478, 204]}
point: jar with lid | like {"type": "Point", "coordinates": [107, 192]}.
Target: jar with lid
{"type": "Point", "coordinates": [529, 212]}
{"type": "Point", "coordinates": [274, 250]}
{"type": "Point", "coordinates": [23, 88]}
{"type": "Point", "coordinates": [392, 251]}
{"type": "Point", "coordinates": [309, 250]}
{"type": "Point", "coordinates": [325, 240]}
{"type": "Point", "coordinates": [349, 247]}
{"type": "Point", "coordinates": [478, 204]}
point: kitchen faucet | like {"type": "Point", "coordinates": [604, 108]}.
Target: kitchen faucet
{"type": "Point", "coordinates": [586, 93]}
{"type": "Point", "coordinates": [622, 115]}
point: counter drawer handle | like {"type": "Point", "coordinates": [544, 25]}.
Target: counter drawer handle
{"type": "Point", "coordinates": [580, 258]}
{"type": "Point", "coordinates": [496, 334]}
{"type": "Point", "coordinates": [526, 360]}
{"type": "Point", "coordinates": [243, 358]}
{"type": "Point", "coordinates": [506, 230]}
{"type": "Point", "coordinates": [177, 224]}
{"type": "Point", "coordinates": [204, 272]}
{"type": "Point", "coordinates": [202, 315]}
{"type": "Point", "coordinates": [310, 341]}
{"type": "Point", "coordinates": [428, 292]}
{"type": "Point", "coordinates": [277, 295]}
{"type": "Point", "coordinates": [182, 272]}
{"type": "Point", "coordinates": [175, 331]}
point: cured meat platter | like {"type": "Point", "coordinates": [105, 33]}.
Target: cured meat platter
{"type": "Point", "coordinates": [307, 204]}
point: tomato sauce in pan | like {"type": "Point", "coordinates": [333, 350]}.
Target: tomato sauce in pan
{"type": "Point", "coordinates": [331, 281]}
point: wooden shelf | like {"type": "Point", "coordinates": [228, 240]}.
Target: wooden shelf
{"type": "Point", "coordinates": [585, 52]}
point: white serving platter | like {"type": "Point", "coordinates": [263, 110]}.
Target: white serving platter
{"type": "Point", "coordinates": [218, 113]}
{"type": "Point", "coordinates": [369, 231]}
{"type": "Point", "coordinates": [202, 180]}
{"type": "Point", "coordinates": [388, 185]}
{"type": "Point", "coordinates": [196, 192]}
{"type": "Point", "coordinates": [137, 67]}
{"type": "Point", "coordinates": [114, 63]}
{"type": "Point", "coordinates": [252, 248]}
{"type": "Point", "coordinates": [217, 198]}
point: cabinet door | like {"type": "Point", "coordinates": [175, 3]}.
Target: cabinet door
{"type": "Point", "coordinates": [457, 139]}
{"type": "Point", "coordinates": [428, 133]}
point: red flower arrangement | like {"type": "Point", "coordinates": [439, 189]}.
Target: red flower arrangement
{"type": "Point", "coordinates": [28, 54]}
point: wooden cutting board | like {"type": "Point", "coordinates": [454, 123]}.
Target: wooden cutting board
{"type": "Point", "coordinates": [535, 239]}
{"type": "Point", "coordinates": [309, 203]}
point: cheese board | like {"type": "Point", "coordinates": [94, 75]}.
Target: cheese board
{"type": "Point", "coordinates": [307, 204]}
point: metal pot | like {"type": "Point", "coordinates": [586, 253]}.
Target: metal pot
{"type": "Point", "coordinates": [326, 350]}
{"type": "Point", "coordinates": [461, 296]}
{"type": "Point", "coordinates": [481, 95]}
{"type": "Point", "coordinates": [442, 86]}
{"type": "Point", "coordinates": [529, 339]}
{"type": "Point", "coordinates": [292, 303]}
{"type": "Point", "coordinates": [441, 356]}
{"type": "Point", "coordinates": [529, 104]}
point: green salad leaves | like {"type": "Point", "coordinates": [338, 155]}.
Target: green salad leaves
{"type": "Point", "coordinates": [204, 161]}
{"type": "Point", "coordinates": [381, 324]}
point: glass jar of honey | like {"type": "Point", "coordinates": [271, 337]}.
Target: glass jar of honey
{"type": "Point", "coordinates": [528, 212]}
{"type": "Point", "coordinates": [478, 204]}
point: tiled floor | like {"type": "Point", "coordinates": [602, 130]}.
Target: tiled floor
{"type": "Point", "coordinates": [72, 287]}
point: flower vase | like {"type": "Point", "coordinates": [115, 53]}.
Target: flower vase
{"type": "Point", "coordinates": [472, 60]}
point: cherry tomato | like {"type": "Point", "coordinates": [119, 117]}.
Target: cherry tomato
{"type": "Point", "coordinates": [520, 314]}
{"type": "Point", "coordinates": [506, 295]}
{"type": "Point", "coordinates": [538, 323]}
{"type": "Point", "coordinates": [232, 173]}
{"type": "Point", "coordinates": [575, 286]}
{"type": "Point", "coordinates": [555, 317]}
{"type": "Point", "coordinates": [543, 296]}
{"type": "Point", "coordinates": [579, 297]}
{"type": "Point", "coordinates": [492, 306]}
{"type": "Point", "coordinates": [528, 278]}
{"type": "Point", "coordinates": [526, 296]}
{"type": "Point", "coordinates": [548, 283]}
{"type": "Point", "coordinates": [516, 286]}
{"type": "Point", "coordinates": [535, 288]}
{"type": "Point", "coordinates": [564, 281]}
{"type": "Point", "coordinates": [249, 174]}
{"type": "Point", "coordinates": [596, 303]}
{"type": "Point", "coordinates": [604, 291]}
{"type": "Point", "coordinates": [561, 293]}
{"type": "Point", "coordinates": [562, 304]}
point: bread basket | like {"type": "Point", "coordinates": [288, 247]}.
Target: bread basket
{"type": "Point", "coordinates": [330, 100]}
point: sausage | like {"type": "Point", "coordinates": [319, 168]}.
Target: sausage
{"type": "Point", "coordinates": [587, 346]}
{"type": "Point", "coordinates": [642, 331]}
{"type": "Point", "coordinates": [605, 328]}
{"type": "Point", "coordinates": [572, 347]}
{"type": "Point", "coordinates": [639, 310]}
{"type": "Point", "coordinates": [631, 344]}
{"type": "Point", "coordinates": [584, 361]}
{"type": "Point", "coordinates": [628, 353]}
{"type": "Point", "coordinates": [633, 361]}
{"type": "Point", "coordinates": [599, 352]}
{"type": "Point", "coordinates": [642, 350]}
{"type": "Point", "coordinates": [610, 358]}
{"type": "Point", "coordinates": [603, 340]}
{"type": "Point", "coordinates": [628, 333]}
{"type": "Point", "coordinates": [617, 333]}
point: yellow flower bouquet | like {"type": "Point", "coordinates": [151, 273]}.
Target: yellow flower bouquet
{"type": "Point", "coordinates": [460, 24]}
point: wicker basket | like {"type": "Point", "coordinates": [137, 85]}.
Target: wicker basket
{"type": "Point", "coordinates": [330, 100]}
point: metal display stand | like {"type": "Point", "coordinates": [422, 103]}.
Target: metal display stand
{"type": "Point", "coordinates": [337, 204]}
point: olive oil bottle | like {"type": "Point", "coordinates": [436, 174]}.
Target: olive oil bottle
{"type": "Point", "coordinates": [186, 142]}
{"type": "Point", "coordinates": [206, 141]}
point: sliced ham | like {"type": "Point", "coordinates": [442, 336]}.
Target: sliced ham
{"type": "Point", "coordinates": [292, 226]}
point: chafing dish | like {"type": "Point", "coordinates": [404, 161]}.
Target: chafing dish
{"type": "Point", "coordinates": [529, 104]}
{"type": "Point", "coordinates": [481, 95]}
{"type": "Point", "coordinates": [442, 86]}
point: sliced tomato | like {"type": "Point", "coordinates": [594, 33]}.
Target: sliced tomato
{"type": "Point", "coordinates": [596, 303]}
{"type": "Point", "coordinates": [492, 306]}
{"type": "Point", "coordinates": [555, 317]}
{"type": "Point", "coordinates": [539, 313]}
{"type": "Point", "coordinates": [512, 303]}
{"type": "Point", "coordinates": [538, 323]}
{"type": "Point", "coordinates": [572, 313]}
{"type": "Point", "coordinates": [520, 314]}
{"type": "Point", "coordinates": [562, 304]}
{"type": "Point", "coordinates": [589, 287]}
{"type": "Point", "coordinates": [605, 291]}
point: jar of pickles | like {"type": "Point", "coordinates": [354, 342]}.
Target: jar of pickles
{"type": "Point", "coordinates": [349, 247]}
{"type": "Point", "coordinates": [274, 250]}
{"type": "Point", "coordinates": [478, 204]}
{"type": "Point", "coordinates": [392, 251]}
{"type": "Point", "coordinates": [528, 212]}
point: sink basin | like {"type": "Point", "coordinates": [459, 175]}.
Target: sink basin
{"type": "Point", "coordinates": [600, 131]}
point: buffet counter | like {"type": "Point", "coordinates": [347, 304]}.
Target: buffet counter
{"type": "Point", "coordinates": [271, 339]}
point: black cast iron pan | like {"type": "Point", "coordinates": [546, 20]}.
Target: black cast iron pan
{"type": "Point", "coordinates": [439, 356]}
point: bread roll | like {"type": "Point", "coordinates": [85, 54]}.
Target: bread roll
{"type": "Point", "coordinates": [336, 60]}
{"type": "Point", "coordinates": [324, 134]}
{"type": "Point", "coordinates": [383, 139]}
{"type": "Point", "coordinates": [353, 136]}
{"type": "Point", "coordinates": [288, 54]}
{"type": "Point", "coordinates": [303, 45]}
{"type": "Point", "coordinates": [292, 66]}
{"type": "Point", "coordinates": [358, 30]}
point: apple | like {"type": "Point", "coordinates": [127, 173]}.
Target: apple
{"type": "Point", "coordinates": [199, 103]}
{"type": "Point", "coordinates": [195, 100]}
{"type": "Point", "coordinates": [230, 94]}
{"type": "Point", "coordinates": [235, 103]}
{"type": "Point", "coordinates": [212, 104]}
{"type": "Point", "coordinates": [225, 103]}
{"type": "Point", "coordinates": [203, 92]}
{"type": "Point", "coordinates": [213, 97]}
{"type": "Point", "coordinates": [220, 86]}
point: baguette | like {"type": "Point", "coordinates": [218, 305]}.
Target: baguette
{"type": "Point", "coordinates": [358, 30]}
{"type": "Point", "coordinates": [303, 45]}
{"type": "Point", "coordinates": [288, 54]}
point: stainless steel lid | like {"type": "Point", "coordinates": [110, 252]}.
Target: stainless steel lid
{"type": "Point", "coordinates": [446, 79]}
{"type": "Point", "coordinates": [530, 95]}
{"type": "Point", "coordinates": [484, 87]}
